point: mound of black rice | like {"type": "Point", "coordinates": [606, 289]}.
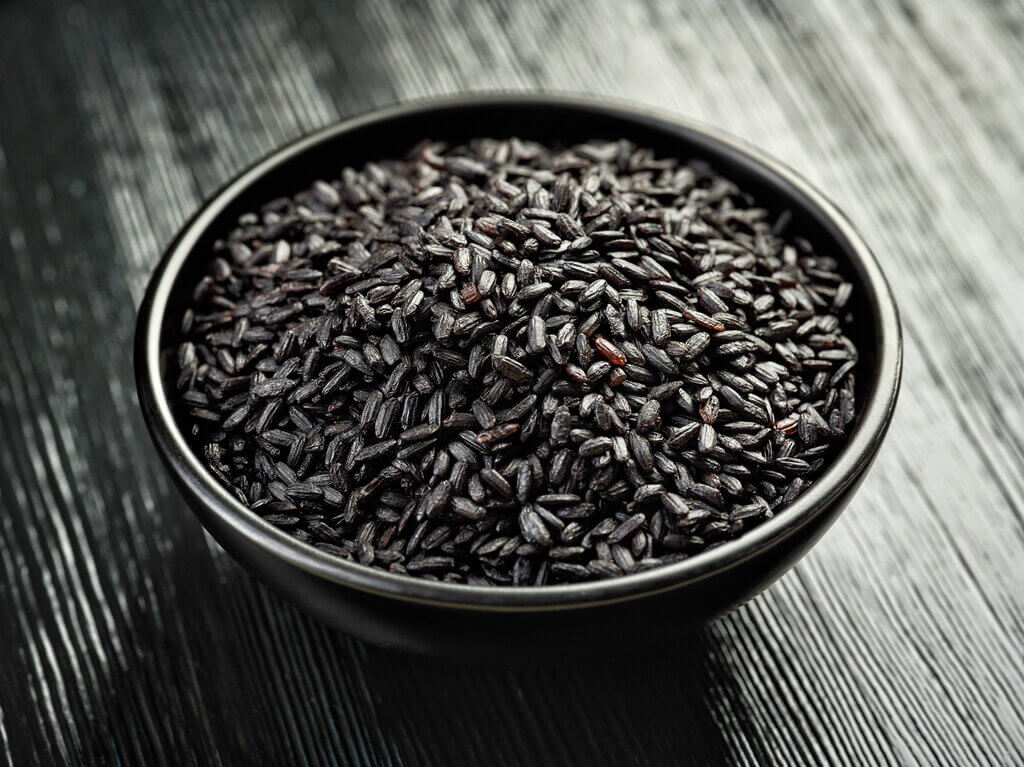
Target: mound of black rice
{"type": "Point", "coordinates": [505, 363]}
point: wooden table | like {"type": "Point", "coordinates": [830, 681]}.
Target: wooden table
{"type": "Point", "coordinates": [128, 637]}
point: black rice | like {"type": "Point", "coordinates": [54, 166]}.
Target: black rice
{"type": "Point", "coordinates": [506, 363]}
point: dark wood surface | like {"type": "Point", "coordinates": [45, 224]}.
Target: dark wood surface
{"type": "Point", "coordinates": [128, 637]}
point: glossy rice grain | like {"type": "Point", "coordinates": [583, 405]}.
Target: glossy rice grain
{"type": "Point", "coordinates": [506, 363]}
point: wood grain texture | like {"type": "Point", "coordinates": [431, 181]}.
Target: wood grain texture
{"type": "Point", "coordinates": [128, 637]}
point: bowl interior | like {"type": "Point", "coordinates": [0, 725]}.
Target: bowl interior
{"type": "Point", "coordinates": [393, 132]}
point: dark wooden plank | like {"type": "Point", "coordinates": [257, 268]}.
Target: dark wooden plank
{"type": "Point", "coordinates": [131, 638]}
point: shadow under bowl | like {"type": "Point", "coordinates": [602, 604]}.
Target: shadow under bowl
{"type": "Point", "coordinates": [508, 624]}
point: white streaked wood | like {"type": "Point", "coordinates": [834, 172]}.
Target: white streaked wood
{"type": "Point", "coordinates": [128, 637]}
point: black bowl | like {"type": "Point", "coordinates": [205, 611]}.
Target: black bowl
{"type": "Point", "coordinates": [506, 623]}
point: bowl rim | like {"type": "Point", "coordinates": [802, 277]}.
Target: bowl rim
{"type": "Point", "coordinates": [848, 465]}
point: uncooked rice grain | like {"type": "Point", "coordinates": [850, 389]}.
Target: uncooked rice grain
{"type": "Point", "coordinates": [513, 364]}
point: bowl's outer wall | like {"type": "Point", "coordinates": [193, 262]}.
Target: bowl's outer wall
{"type": "Point", "coordinates": [520, 638]}
{"type": "Point", "coordinates": [444, 629]}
